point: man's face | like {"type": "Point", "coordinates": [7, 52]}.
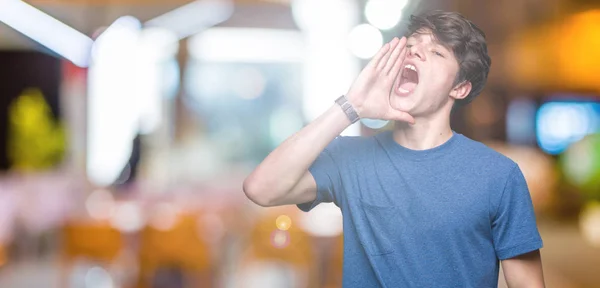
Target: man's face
{"type": "Point", "coordinates": [426, 78]}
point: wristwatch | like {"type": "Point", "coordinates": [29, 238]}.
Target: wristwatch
{"type": "Point", "coordinates": [347, 108]}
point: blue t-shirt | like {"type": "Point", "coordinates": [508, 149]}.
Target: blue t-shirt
{"type": "Point", "coordinates": [441, 217]}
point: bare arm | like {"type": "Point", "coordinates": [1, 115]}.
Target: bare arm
{"type": "Point", "coordinates": [283, 177]}
{"type": "Point", "coordinates": [524, 271]}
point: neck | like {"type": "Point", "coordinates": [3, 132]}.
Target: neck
{"type": "Point", "coordinates": [427, 132]}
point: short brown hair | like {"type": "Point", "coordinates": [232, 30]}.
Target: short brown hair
{"type": "Point", "coordinates": [464, 39]}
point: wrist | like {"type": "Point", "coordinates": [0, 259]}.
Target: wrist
{"type": "Point", "coordinates": [348, 108]}
{"type": "Point", "coordinates": [336, 118]}
{"type": "Point", "coordinates": [356, 105]}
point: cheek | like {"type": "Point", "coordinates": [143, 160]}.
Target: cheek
{"type": "Point", "coordinates": [443, 77]}
{"type": "Point", "coordinates": [443, 80]}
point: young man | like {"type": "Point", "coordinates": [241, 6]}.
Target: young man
{"type": "Point", "coordinates": [423, 206]}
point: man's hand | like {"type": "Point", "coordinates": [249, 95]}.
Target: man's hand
{"type": "Point", "coordinates": [370, 92]}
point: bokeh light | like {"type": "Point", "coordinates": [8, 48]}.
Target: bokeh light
{"type": "Point", "coordinates": [247, 45]}
{"type": "Point", "coordinates": [283, 222]}
{"type": "Point", "coordinates": [127, 217]}
{"type": "Point", "coordinates": [581, 164]}
{"type": "Point", "coordinates": [323, 15]}
{"type": "Point", "coordinates": [384, 14]}
{"type": "Point", "coordinates": [561, 123]}
{"type": "Point", "coordinates": [164, 216]}
{"type": "Point", "coordinates": [577, 61]}
{"type": "Point", "coordinates": [280, 239]}
{"type": "Point", "coordinates": [374, 123]}
{"type": "Point", "coordinates": [589, 223]}
{"type": "Point", "coordinates": [364, 41]}
{"type": "Point", "coordinates": [100, 204]}
{"type": "Point", "coordinates": [97, 277]}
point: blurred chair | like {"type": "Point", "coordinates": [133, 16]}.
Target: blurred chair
{"type": "Point", "coordinates": [177, 253]}
{"type": "Point", "coordinates": [93, 241]}
{"type": "Point", "coordinates": [98, 241]}
{"type": "Point", "coordinates": [275, 257]}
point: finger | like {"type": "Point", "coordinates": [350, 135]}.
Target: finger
{"type": "Point", "coordinates": [395, 55]}
{"type": "Point", "coordinates": [386, 56]}
{"type": "Point", "coordinates": [398, 115]}
{"type": "Point", "coordinates": [391, 45]}
{"type": "Point", "coordinates": [398, 64]}
{"type": "Point", "coordinates": [377, 58]}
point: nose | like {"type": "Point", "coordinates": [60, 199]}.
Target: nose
{"type": "Point", "coordinates": [415, 52]}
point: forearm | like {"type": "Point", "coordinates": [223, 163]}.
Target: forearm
{"type": "Point", "coordinates": [533, 281]}
{"type": "Point", "coordinates": [281, 170]}
{"type": "Point", "coordinates": [524, 271]}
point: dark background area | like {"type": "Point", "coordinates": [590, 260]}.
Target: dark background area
{"type": "Point", "coordinates": [20, 70]}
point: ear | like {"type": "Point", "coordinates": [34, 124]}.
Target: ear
{"type": "Point", "coordinates": [461, 90]}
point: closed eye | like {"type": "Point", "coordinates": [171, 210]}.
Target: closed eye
{"type": "Point", "coordinates": [438, 53]}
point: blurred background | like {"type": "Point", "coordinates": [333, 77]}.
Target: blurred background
{"type": "Point", "coordinates": [128, 126]}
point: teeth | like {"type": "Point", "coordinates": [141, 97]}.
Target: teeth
{"type": "Point", "coordinates": [411, 67]}
{"type": "Point", "coordinates": [402, 90]}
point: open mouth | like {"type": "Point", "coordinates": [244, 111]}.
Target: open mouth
{"type": "Point", "coordinates": [408, 80]}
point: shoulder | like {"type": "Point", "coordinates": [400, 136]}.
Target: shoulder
{"type": "Point", "coordinates": [501, 176]}
{"type": "Point", "coordinates": [485, 165]}
{"type": "Point", "coordinates": [482, 157]}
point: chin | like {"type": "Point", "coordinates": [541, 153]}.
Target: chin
{"type": "Point", "coordinates": [403, 102]}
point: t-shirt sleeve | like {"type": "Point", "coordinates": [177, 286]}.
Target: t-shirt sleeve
{"type": "Point", "coordinates": [326, 172]}
{"type": "Point", "coordinates": [514, 226]}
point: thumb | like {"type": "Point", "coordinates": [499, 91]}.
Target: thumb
{"type": "Point", "coordinates": [398, 115]}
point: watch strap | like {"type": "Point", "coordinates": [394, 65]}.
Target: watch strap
{"type": "Point", "coordinates": [347, 108]}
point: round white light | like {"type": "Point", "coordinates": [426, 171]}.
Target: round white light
{"type": "Point", "coordinates": [324, 15]}
{"type": "Point", "coordinates": [100, 204]}
{"type": "Point", "coordinates": [97, 277]}
{"type": "Point", "coordinates": [374, 123]}
{"type": "Point", "coordinates": [384, 14]}
{"type": "Point", "coordinates": [589, 223]}
{"type": "Point", "coordinates": [127, 217]}
{"type": "Point", "coordinates": [364, 41]}
{"type": "Point", "coordinates": [164, 216]}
